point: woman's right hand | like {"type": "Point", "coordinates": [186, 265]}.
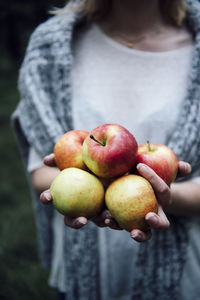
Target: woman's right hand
{"type": "Point", "coordinates": [104, 219]}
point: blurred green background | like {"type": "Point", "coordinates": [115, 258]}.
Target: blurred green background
{"type": "Point", "coordinates": [21, 276]}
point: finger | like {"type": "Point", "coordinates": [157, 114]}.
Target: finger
{"type": "Point", "coordinates": [157, 221]}
{"type": "Point", "coordinates": [111, 223]}
{"type": "Point", "coordinates": [105, 219]}
{"type": "Point", "coordinates": [140, 236]}
{"type": "Point", "coordinates": [49, 160]}
{"type": "Point", "coordinates": [75, 223]}
{"type": "Point", "coordinates": [105, 214]}
{"type": "Point", "coordinates": [45, 197]}
{"type": "Point", "coordinates": [102, 216]}
{"type": "Point", "coordinates": [99, 220]}
{"type": "Point", "coordinates": [184, 169]}
{"type": "Point", "coordinates": [161, 189]}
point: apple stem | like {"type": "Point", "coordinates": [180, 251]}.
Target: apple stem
{"type": "Point", "coordinates": [93, 138]}
{"type": "Point", "coordinates": [149, 146]}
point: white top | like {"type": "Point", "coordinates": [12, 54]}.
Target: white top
{"type": "Point", "coordinates": [140, 90]}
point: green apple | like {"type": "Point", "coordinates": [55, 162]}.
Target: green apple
{"type": "Point", "coordinates": [129, 198]}
{"type": "Point", "coordinates": [77, 193]}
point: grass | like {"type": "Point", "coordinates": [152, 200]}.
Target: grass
{"type": "Point", "coordinates": [21, 276]}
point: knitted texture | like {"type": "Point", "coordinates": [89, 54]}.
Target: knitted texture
{"type": "Point", "coordinates": [44, 114]}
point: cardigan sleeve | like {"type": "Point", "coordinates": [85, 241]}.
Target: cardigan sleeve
{"type": "Point", "coordinates": [35, 123]}
{"type": "Point", "coordinates": [34, 120]}
{"type": "Point", "coordinates": [44, 111]}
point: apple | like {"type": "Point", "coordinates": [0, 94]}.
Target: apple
{"type": "Point", "coordinates": [160, 158]}
{"type": "Point", "coordinates": [68, 150]}
{"type": "Point", "coordinates": [109, 150]}
{"type": "Point", "coordinates": [77, 193]}
{"type": "Point", "coordinates": [129, 198]}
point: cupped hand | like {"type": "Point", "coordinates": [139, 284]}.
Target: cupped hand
{"type": "Point", "coordinates": [163, 195]}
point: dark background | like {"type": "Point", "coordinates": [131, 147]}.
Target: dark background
{"type": "Point", "coordinates": [21, 276]}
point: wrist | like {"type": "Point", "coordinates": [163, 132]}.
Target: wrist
{"type": "Point", "coordinates": [185, 199]}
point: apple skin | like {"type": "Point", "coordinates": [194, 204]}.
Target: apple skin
{"type": "Point", "coordinates": [161, 159]}
{"type": "Point", "coordinates": [68, 150]}
{"type": "Point", "coordinates": [129, 198]}
{"type": "Point", "coordinates": [118, 154]}
{"type": "Point", "coordinates": [77, 193]}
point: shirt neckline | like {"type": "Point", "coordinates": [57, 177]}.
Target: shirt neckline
{"type": "Point", "coordinates": [138, 52]}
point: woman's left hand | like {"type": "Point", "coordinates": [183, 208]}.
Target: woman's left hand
{"type": "Point", "coordinates": [163, 194]}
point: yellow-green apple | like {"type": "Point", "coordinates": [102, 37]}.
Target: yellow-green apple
{"type": "Point", "coordinates": [160, 158]}
{"type": "Point", "coordinates": [77, 193]}
{"type": "Point", "coordinates": [109, 150]}
{"type": "Point", "coordinates": [129, 198]}
{"type": "Point", "coordinates": [68, 150]}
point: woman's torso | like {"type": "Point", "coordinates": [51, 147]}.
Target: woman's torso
{"type": "Point", "coordinates": [143, 92]}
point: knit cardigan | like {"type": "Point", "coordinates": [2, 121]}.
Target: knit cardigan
{"type": "Point", "coordinates": [45, 113]}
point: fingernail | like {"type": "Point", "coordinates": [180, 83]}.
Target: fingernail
{"type": "Point", "coordinates": [107, 221]}
{"type": "Point", "coordinates": [82, 221]}
{"type": "Point", "coordinates": [47, 196]}
{"type": "Point", "coordinates": [141, 167]}
{"type": "Point", "coordinates": [135, 235]}
{"type": "Point", "coordinates": [152, 218]}
{"type": "Point", "coordinates": [188, 168]}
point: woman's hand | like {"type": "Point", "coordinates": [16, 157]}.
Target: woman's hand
{"type": "Point", "coordinates": [163, 195]}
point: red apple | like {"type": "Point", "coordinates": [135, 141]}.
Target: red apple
{"type": "Point", "coordinates": [129, 198]}
{"type": "Point", "coordinates": [160, 158]}
{"type": "Point", "coordinates": [68, 150]}
{"type": "Point", "coordinates": [110, 150]}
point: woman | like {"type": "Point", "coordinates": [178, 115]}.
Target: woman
{"type": "Point", "coordinates": [134, 63]}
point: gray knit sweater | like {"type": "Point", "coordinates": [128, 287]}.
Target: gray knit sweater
{"type": "Point", "coordinates": [44, 114]}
